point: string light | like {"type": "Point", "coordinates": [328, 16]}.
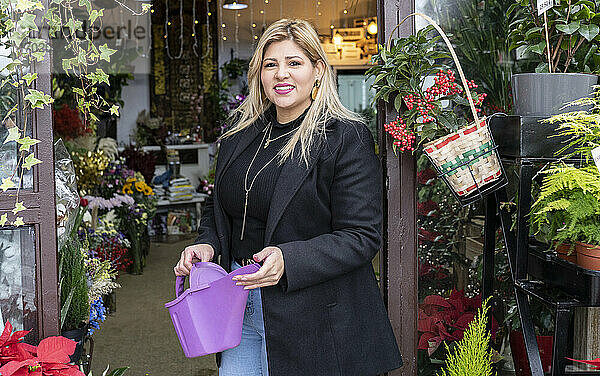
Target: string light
{"type": "Point", "coordinates": [195, 46]}
{"type": "Point", "coordinates": [167, 23]}
{"type": "Point", "coordinates": [223, 37]}
{"type": "Point", "coordinates": [237, 34]}
{"type": "Point", "coordinates": [208, 36]}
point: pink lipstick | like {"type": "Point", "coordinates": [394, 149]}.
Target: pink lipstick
{"type": "Point", "coordinates": [283, 89]}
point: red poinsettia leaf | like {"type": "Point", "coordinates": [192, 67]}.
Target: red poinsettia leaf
{"type": "Point", "coordinates": [15, 368]}
{"type": "Point", "coordinates": [6, 333]}
{"type": "Point", "coordinates": [594, 362]}
{"type": "Point", "coordinates": [55, 349]}
{"type": "Point", "coordinates": [71, 371]}
{"type": "Point", "coordinates": [436, 300]}
{"type": "Point", "coordinates": [458, 334]}
{"type": "Point", "coordinates": [464, 320]}
{"type": "Point", "coordinates": [426, 324]}
{"type": "Point", "coordinates": [424, 341]}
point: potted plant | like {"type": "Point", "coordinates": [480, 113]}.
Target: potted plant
{"type": "Point", "coordinates": [568, 205]}
{"type": "Point", "coordinates": [563, 52]}
{"type": "Point", "coordinates": [438, 114]}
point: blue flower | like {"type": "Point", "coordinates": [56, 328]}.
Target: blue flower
{"type": "Point", "coordinates": [97, 315]}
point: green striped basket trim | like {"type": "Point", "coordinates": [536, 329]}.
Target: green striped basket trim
{"type": "Point", "coordinates": [466, 157]}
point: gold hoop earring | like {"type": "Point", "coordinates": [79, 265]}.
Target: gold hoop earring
{"type": "Point", "coordinates": [315, 89]}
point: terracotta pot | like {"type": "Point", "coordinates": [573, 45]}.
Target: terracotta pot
{"type": "Point", "coordinates": [519, 353]}
{"type": "Point", "coordinates": [588, 255]}
{"type": "Point", "coordinates": [562, 251]}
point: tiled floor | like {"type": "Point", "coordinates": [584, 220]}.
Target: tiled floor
{"type": "Point", "coordinates": [140, 333]}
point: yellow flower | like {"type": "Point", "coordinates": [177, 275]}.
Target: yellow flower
{"type": "Point", "coordinates": [139, 185]}
{"type": "Point", "coordinates": [130, 180]}
{"type": "Point", "coordinates": [148, 191]}
{"type": "Point", "coordinates": [127, 189]}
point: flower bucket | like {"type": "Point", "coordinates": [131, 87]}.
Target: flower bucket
{"type": "Point", "coordinates": [588, 256]}
{"type": "Point", "coordinates": [208, 316]}
{"type": "Point", "coordinates": [467, 159]}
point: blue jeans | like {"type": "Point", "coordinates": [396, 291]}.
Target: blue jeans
{"type": "Point", "coordinates": [249, 358]}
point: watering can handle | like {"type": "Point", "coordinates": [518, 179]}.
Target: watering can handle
{"type": "Point", "coordinates": [179, 281]}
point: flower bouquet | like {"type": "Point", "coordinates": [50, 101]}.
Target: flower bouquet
{"type": "Point", "coordinates": [440, 115]}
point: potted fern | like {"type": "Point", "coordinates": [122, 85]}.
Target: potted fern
{"type": "Point", "coordinates": [568, 204]}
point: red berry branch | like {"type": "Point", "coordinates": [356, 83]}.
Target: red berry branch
{"type": "Point", "coordinates": [424, 109]}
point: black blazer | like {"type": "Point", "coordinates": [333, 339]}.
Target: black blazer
{"type": "Point", "coordinates": [326, 315]}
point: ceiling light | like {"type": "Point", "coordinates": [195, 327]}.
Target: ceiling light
{"type": "Point", "coordinates": [372, 28]}
{"type": "Point", "coordinates": [234, 5]}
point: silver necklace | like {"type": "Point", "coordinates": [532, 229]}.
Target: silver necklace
{"type": "Point", "coordinates": [269, 139]}
{"type": "Point", "coordinates": [248, 189]}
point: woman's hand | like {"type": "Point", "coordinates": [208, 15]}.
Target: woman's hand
{"type": "Point", "coordinates": [191, 254]}
{"type": "Point", "coordinates": [269, 273]}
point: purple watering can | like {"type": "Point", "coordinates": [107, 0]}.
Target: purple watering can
{"type": "Point", "coordinates": [208, 316]}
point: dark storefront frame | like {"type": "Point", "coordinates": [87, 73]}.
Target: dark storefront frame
{"type": "Point", "coordinates": [40, 204]}
{"type": "Point", "coordinates": [399, 253]}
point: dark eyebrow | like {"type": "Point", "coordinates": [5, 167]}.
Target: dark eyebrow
{"type": "Point", "coordinates": [287, 58]}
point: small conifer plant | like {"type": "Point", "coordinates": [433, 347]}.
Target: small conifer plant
{"type": "Point", "coordinates": [472, 355]}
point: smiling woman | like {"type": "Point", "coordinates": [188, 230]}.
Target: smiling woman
{"type": "Point", "coordinates": [298, 190]}
{"type": "Point", "coordinates": [288, 77]}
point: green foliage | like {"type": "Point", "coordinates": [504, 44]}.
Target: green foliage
{"type": "Point", "coordinates": [568, 206]}
{"type": "Point", "coordinates": [472, 355]}
{"type": "Point", "coordinates": [405, 62]}
{"type": "Point", "coordinates": [582, 128]}
{"type": "Point", "coordinates": [573, 32]}
{"type": "Point", "coordinates": [73, 280]}
{"type": "Point", "coordinates": [480, 38]}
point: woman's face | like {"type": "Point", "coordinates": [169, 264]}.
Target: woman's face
{"type": "Point", "coordinates": [287, 76]}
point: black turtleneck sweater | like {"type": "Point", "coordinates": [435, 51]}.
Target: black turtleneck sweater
{"type": "Point", "coordinates": [232, 191]}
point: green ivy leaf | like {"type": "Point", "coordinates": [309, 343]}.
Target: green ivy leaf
{"type": "Point", "coordinates": [589, 32]}
{"type": "Point", "coordinates": [38, 98]}
{"type": "Point", "coordinates": [7, 184]}
{"type": "Point", "coordinates": [87, 5]}
{"type": "Point", "coordinates": [18, 222]}
{"type": "Point", "coordinates": [38, 55]}
{"type": "Point", "coordinates": [29, 77]}
{"type": "Point", "coordinates": [30, 161]}
{"type": "Point", "coordinates": [3, 219]}
{"type": "Point", "coordinates": [19, 207]}
{"type": "Point", "coordinates": [25, 5]}
{"type": "Point", "coordinates": [27, 22]}
{"type": "Point", "coordinates": [26, 143]}
{"type": "Point", "coordinates": [114, 110]}
{"type": "Point", "coordinates": [146, 8]}
{"type": "Point", "coordinates": [13, 135]}
{"type": "Point", "coordinates": [94, 14]}
{"type": "Point", "coordinates": [105, 52]}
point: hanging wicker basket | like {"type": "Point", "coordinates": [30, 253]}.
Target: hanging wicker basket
{"type": "Point", "coordinates": [467, 159]}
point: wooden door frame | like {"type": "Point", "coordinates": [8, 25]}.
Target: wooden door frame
{"type": "Point", "coordinates": [40, 204]}
{"type": "Point", "coordinates": [398, 267]}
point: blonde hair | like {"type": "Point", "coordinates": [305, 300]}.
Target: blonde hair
{"type": "Point", "coordinates": [327, 104]}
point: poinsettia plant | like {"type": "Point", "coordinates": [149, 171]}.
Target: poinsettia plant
{"type": "Point", "coordinates": [49, 358]}
{"type": "Point", "coordinates": [446, 319]}
{"type": "Point", "coordinates": [427, 110]}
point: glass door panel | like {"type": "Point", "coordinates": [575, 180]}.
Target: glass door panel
{"type": "Point", "coordinates": [17, 280]}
